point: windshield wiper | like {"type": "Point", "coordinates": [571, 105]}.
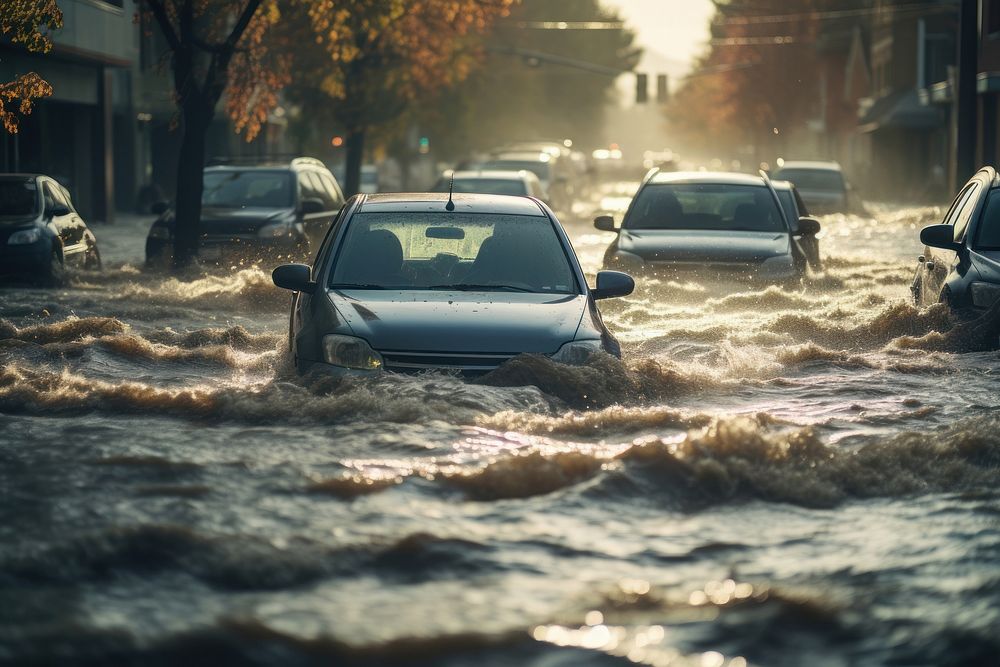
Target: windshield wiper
{"type": "Point", "coordinates": [466, 287]}
{"type": "Point", "coordinates": [357, 286]}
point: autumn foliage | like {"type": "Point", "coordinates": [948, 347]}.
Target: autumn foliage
{"type": "Point", "coordinates": [758, 82]}
{"type": "Point", "coordinates": [370, 60]}
{"type": "Point", "coordinates": [27, 23]}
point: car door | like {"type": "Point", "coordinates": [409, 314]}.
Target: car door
{"type": "Point", "coordinates": [939, 264]}
{"type": "Point", "coordinates": [60, 216]}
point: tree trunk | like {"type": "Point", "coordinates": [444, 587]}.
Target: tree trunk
{"type": "Point", "coordinates": [187, 207]}
{"type": "Point", "coordinates": [355, 157]}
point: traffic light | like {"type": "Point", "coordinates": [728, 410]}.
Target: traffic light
{"type": "Point", "coordinates": [641, 88]}
{"type": "Point", "coordinates": [425, 145]}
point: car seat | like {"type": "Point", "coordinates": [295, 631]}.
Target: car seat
{"type": "Point", "coordinates": [375, 259]}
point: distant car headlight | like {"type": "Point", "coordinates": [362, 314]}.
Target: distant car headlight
{"type": "Point", "coordinates": [350, 352]}
{"type": "Point", "coordinates": [159, 232]}
{"type": "Point", "coordinates": [25, 237]}
{"type": "Point", "coordinates": [275, 230]}
{"type": "Point", "coordinates": [577, 352]}
{"type": "Point", "coordinates": [777, 267]}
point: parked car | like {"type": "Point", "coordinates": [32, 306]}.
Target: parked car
{"type": "Point", "coordinates": [269, 211]}
{"type": "Point", "coordinates": [523, 183]}
{"type": "Point", "coordinates": [821, 184]}
{"type": "Point", "coordinates": [554, 179]}
{"type": "Point", "coordinates": [961, 261]}
{"type": "Point", "coordinates": [795, 209]}
{"type": "Point", "coordinates": [719, 224]}
{"type": "Point", "coordinates": [411, 282]}
{"type": "Point", "coordinates": [41, 233]}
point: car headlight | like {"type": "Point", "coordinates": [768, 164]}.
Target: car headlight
{"type": "Point", "coordinates": [159, 232]}
{"type": "Point", "coordinates": [782, 265]}
{"type": "Point", "coordinates": [275, 230]}
{"type": "Point", "coordinates": [577, 352]}
{"type": "Point", "coordinates": [350, 352]}
{"type": "Point", "coordinates": [25, 237]}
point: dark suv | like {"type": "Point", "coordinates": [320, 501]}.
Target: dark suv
{"type": "Point", "coordinates": [275, 211]}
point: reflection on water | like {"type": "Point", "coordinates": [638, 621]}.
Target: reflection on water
{"type": "Point", "coordinates": [780, 476]}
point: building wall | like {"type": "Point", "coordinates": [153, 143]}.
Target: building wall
{"type": "Point", "coordinates": [77, 134]}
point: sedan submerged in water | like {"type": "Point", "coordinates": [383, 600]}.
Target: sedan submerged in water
{"type": "Point", "coordinates": [417, 282]}
{"type": "Point", "coordinates": [721, 225]}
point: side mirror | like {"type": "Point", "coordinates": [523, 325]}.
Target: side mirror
{"type": "Point", "coordinates": [56, 211]}
{"type": "Point", "coordinates": [159, 208]}
{"type": "Point", "coordinates": [605, 223]}
{"type": "Point", "coordinates": [611, 284]}
{"type": "Point", "coordinates": [808, 227]}
{"type": "Point", "coordinates": [294, 277]}
{"type": "Point", "coordinates": [939, 236]}
{"type": "Point", "coordinates": [311, 205]}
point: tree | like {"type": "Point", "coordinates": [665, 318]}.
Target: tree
{"type": "Point", "coordinates": [512, 97]}
{"type": "Point", "coordinates": [28, 23]}
{"type": "Point", "coordinates": [371, 60]}
{"type": "Point", "coordinates": [759, 82]}
{"type": "Point", "coordinates": [215, 47]}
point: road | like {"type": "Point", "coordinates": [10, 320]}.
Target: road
{"type": "Point", "coordinates": [783, 477]}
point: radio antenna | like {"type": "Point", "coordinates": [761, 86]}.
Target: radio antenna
{"type": "Point", "coordinates": [450, 206]}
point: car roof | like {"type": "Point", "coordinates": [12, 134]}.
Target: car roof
{"type": "Point", "coordinates": [521, 156]}
{"type": "Point", "coordinates": [811, 164]}
{"type": "Point", "coordinates": [783, 185]}
{"type": "Point", "coordinates": [716, 177]}
{"type": "Point", "coordinates": [491, 174]}
{"type": "Point", "coordinates": [434, 202]}
{"type": "Point", "coordinates": [270, 164]}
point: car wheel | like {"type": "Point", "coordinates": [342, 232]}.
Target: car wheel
{"type": "Point", "coordinates": [92, 262]}
{"type": "Point", "coordinates": [55, 272]}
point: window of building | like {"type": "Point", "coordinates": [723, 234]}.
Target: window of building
{"type": "Point", "coordinates": [991, 20]}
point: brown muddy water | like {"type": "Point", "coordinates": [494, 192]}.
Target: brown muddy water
{"type": "Point", "coordinates": [776, 477]}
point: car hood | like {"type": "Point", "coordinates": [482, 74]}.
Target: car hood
{"type": "Point", "coordinates": [438, 321]}
{"type": "Point", "coordinates": [704, 245]}
{"type": "Point", "coordinates": [239, 220]}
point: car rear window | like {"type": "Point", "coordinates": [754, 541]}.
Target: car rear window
{"type": "Point", "coordinates": [705, 206]}
{"type": "Point", "coordinates": [411, 251]}
{"type": "Point", "coordinates": [813, 179]}
{"type": "Point", "coordinates": [18, 197]}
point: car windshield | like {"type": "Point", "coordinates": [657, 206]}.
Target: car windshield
{"type": "Point", "coordinates": [248, 189]}
{"type": "Point", "coordinates": [813, 179]}
{"type": "Point", "coordinates": [18, 197]}
{"type": "Point", "coordinates": [705, 206]}
{"type": "Point", "coordinates": [453, 251]}
{"type": "Point", "coordinates": [486, 186]}
{"type": "Point", "coordinates": [989, 227]}
{"type": "Point", "coordinates": [540, 169]}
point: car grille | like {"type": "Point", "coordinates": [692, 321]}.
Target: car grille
{"type": "Point", "coordinates": [467, 362]}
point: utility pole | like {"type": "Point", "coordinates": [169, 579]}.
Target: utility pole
{"type": "Point", "coordinates": [967, 119]}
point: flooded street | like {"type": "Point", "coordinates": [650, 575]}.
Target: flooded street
{"type": "Point", "coordinates": [781, 477]}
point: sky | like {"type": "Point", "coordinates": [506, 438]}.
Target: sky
{"type": "Point", "coordinates": [676, 29]}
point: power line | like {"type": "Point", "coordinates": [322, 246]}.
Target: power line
{"type": "Point", "coordinates": [830, 14]}
{"type": "Point", "coordinates": [565, 25]}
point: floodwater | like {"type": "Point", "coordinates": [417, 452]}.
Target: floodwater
{"type": "Point", "coordinates": [777, 477]}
